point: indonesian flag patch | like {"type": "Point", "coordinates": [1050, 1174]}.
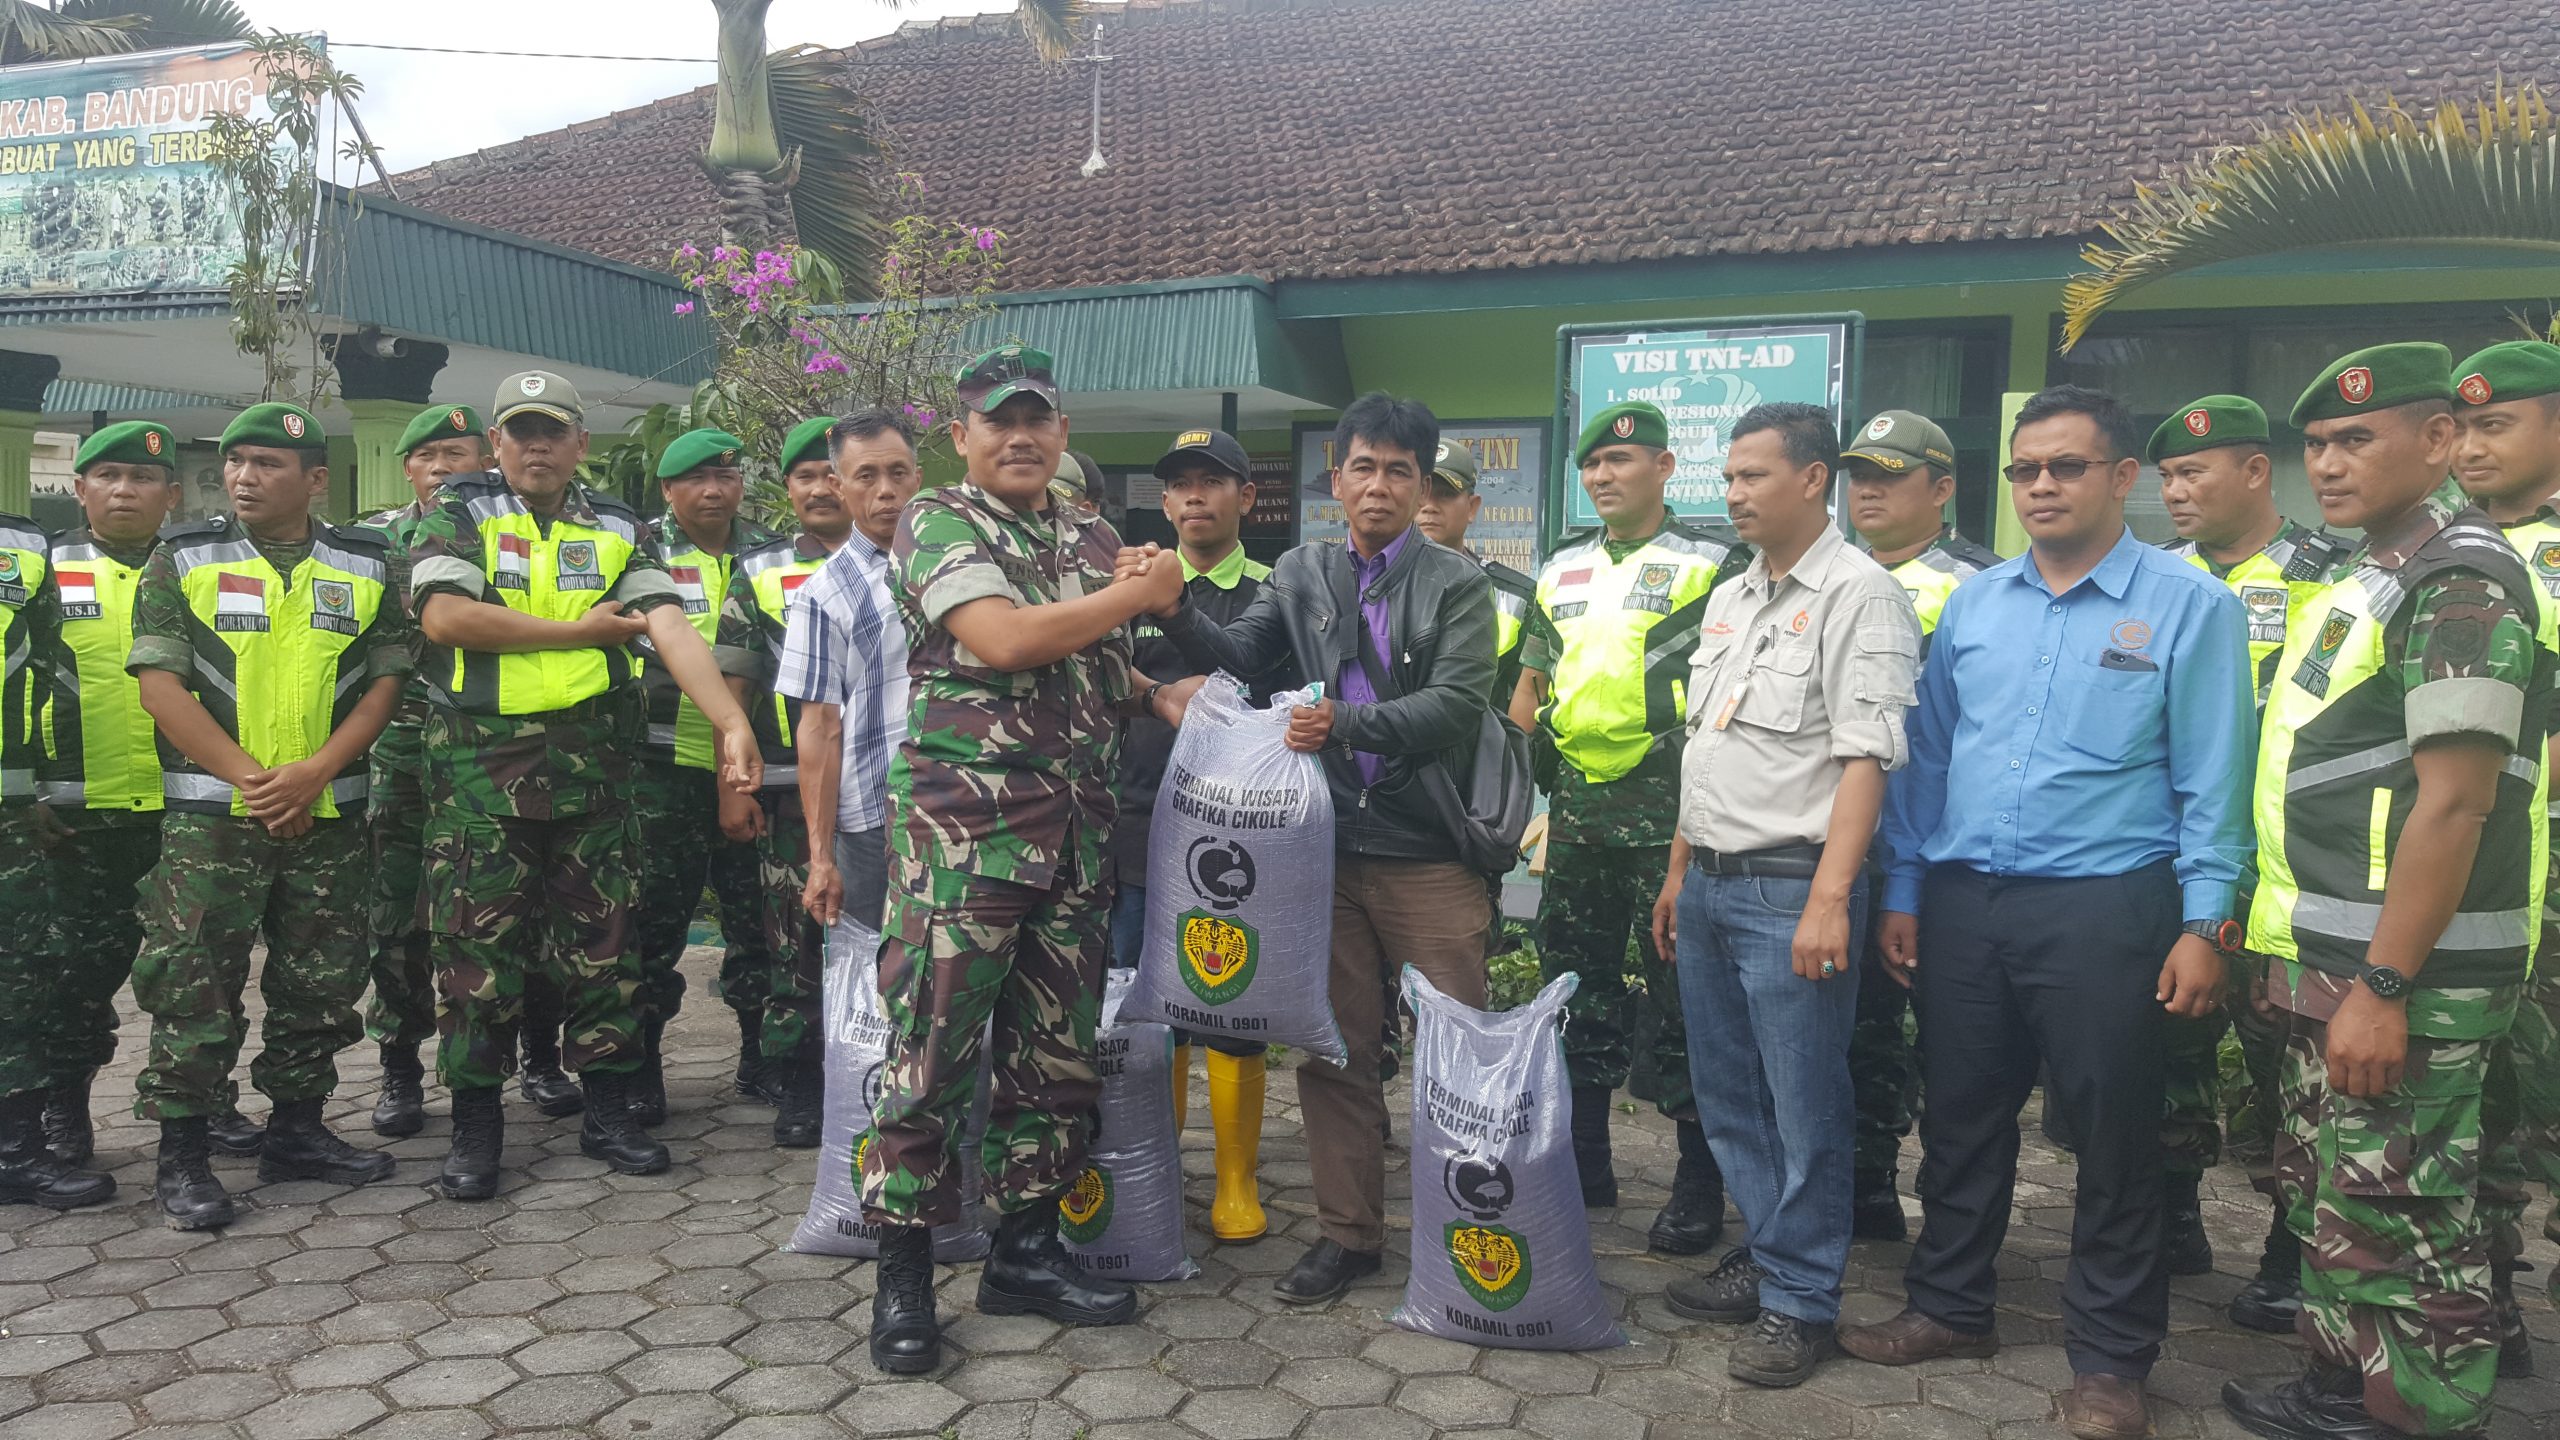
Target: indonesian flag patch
{"type": "Point", "coordinates": [515, 562]}
{"type": "Point", "coordinates": [239, 602]}
{"type": "Point", "coordinates": [688, 582]}
{"type": "Point", "coordinates": [79, 594]}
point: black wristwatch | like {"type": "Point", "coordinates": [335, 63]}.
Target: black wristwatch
{"type": "Point", "coordinates": [2222, 935]}
{"type": "Point", "coordinates": [2384, 981]}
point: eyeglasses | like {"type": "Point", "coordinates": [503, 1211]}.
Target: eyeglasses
{"type": "Point", "coordinates": [2066, 469]}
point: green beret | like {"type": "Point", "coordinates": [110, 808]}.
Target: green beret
{"type": "Point", "coordinates": [275, 425]}
{"type": "Point", "coordinates": [439, 422]}
{"type": "Point", "coordinates": [2204, 424]}
{"type": "Point", "coordinates": [1630, 422]}
{"type": "Point", "coordinates": [807, 441]}
{"type": "Point", "coordinates": [133, 442]}
{"type": "Point", "coordinates": [2516, 370]}
{"type": "Point", "coordinates": [2379, 378]}
{"type": "Point", "coordinates": [696, 448]}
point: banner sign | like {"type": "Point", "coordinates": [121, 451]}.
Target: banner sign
{"type": "Point", "coordinates": [106, 178]}
{"type": "Point", "coordinates": [1511, 461]}
{"type": "Point", "coordinates": [1703, 378]}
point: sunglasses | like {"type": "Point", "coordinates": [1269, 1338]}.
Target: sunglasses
{"type": "Point", "coordinates": [2066, 469]}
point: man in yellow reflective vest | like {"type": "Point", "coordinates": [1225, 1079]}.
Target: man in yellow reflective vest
{"type": "Point", "coordinates": [1901, 475]}
{"type": "Point", "coordinates": [691, 830]}
{"type": "Point", "coordinates": [2401, 854]}
{"type": "Point", "coordinates": [2218, 483]}
{"type": "Point", "coordinates": [269, 652]}
{"type": "Point", "coordinates": [2508, 461]}
{"type": "Point", "coordinates": [528, 590]}
{"type": "Point", "coordinates": [1450, 504]}
{"type": "Point", "coordinates": [1603, 680]}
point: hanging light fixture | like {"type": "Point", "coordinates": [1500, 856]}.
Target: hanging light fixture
{"type": "Point", "coordinates": [1094, 164]}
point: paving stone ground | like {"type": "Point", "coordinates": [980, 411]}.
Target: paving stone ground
{"type": "Point", "coordinates": [667, 1308]}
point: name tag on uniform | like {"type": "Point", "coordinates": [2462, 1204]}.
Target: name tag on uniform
{"type": "Point", "coordinates": [239, 603]}
{"type": "Point", "coordinates": [79, 594]}
{"type": "Point", "coordinates": [333, 607]}
{"type": "Point", "coordinates": [2265, 605]}
{"type": "Point", "coordinates": [688, 583]}
{"type": "Point", "coordinates": [514, 567]}
{"type": "Point", "coordinates": [577, 567]}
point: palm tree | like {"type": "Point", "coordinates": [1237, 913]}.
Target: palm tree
{"type": "Point", "coordinates": [2488, 176]}
{"type": "Point", "coordinates": [161, 24]}
{"type": "Point", "coordinates": [30, 32]}
{"type": "Point", "coordinates": [792, 151]}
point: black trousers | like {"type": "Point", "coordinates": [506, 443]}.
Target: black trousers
{"type": "Point", "coordinates": [2017, 972]}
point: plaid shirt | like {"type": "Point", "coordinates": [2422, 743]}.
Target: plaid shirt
{"type": "Point", "coordinates": [846, 647]}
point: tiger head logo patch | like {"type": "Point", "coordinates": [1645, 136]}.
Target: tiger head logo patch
{"type": "Point", "coordinates": [1219, 955]}
{"type": "Point", "coordinates": [1492, 1263]}
{"type": "Point", "coordinates": [1084, 1212]}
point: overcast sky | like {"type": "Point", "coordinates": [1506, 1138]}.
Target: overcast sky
{"type": "Point", "coordinates": [422, 107]}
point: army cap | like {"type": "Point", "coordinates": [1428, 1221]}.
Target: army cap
{"type": "Point", "coordinates": [1896, 440]}
{"type": "Point", "coordinates": [1629, 422]}
{"type": "Point", "coordinates": [2379, 378]}
{"type": "Point", "coordinates": [1004, 372]}
{"type": "Point", "coordinates": [807, 441]}
{"type": "Point", "coordinates": [694, 449]}
{"type": "Point", "coordinates": [2515, 370]}
{"type": "Point", "coordinates": [1214, 448]}
{"type": "Point", "coordinates": [1455, 466]}
{"type": "Point", "coordinates": [537, 392]}
{"type": "Point", "coordinates": [131, 442]}
{"type": "Point", "coordinates": [2204, 424]}
{"type": "Point", "coordinates": [277, 425]}
{"type": "Point", "coordinates": [439, 422]}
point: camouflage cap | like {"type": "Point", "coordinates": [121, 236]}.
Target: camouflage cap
{"type": "Point", "coordinates": [539, 392]}
{"type": "Point", "coordinates": [807, 441]}
{"type": "Point", "coordinates": [2379, 378]}
{"type": "Point", "coordinates": [130, 442]}
{"type": "Point", "coordinates": [2515, 370]}
{"type": "Point", "coordinates": [1896, 440]}
{"type": "Point", "coordinates": [694, 449]}
{"type": "Point", "coordinates": [275, 424]}
{"type": "Point", "coordinates": [1004, 372]}
{"type": "Point", "coordinates": [2205, 424]}
{"type": "Point", "coordinates": [1455, 466]}
{"type": "Point", "coordinates": [439, 422]}
{"type": "Point", "coordinates": [1629, 422]}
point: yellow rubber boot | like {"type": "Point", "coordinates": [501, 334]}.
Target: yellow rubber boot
{"type": "Point", "coordinates": [1235, 1108]}
{"type": "Point", "coordinates": [1181, 1087]}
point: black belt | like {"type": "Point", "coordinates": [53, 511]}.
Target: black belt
{"type": "Point", "coordinates": [1785, 862]}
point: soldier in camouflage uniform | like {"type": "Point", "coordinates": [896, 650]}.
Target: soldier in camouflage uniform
{"type": "Point", "coordinates": [2402, 950]}
{"type": "Point", "coordinates": [270, 653]}
{"type": "Point", "coordinates": [528, 589]}
{"type": "Point", "coordinates": [1603, 670]}
{"type": "Point", "coordinates": [690, 830]}
{"type": "Point", "coordinates": [999, 898]}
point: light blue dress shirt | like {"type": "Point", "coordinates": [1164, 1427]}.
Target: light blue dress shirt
{"type": "Point", "coordinates": [2087, 733]}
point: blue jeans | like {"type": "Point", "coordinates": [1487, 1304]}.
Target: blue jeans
{"type": "Point", "coordinates": [1769, 1058]}
{"type": "Point", "coordinates": [1128, 926]}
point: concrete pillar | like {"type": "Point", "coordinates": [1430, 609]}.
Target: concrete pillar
{"type": "Point", "coordinates": [383, 393]}
{"type": "Point", "coordinates": [17, 458]}
{"type": "Point", "coordinates": [379, 482]}
{"type": "Point", "coordinates": [2030, 353]}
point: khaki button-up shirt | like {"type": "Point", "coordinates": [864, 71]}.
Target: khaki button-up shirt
{"type": "Point", "coordinates": [1792, 680]}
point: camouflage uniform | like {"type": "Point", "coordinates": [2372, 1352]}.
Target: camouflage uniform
{"type": "Point", "coordinates": [999, 897]}
{"type": "Point", "coordinates": [25, 649]}
{"type": "Point", "coordinates": [403, 1010]}
{"type": "Point", "coordinates": [529, 836]}
{"type": "Point", "coordinates": [788, 990]}
{"type": "Point", "coordinates": [224, 882]}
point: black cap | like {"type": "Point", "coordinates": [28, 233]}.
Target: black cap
{"type": "Point", "coordinates": [1215, 448]}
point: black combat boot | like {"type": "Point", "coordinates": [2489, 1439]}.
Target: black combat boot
{"type": "Point", "coordinates": [1029, 1272]}
{"type": "Point", "coordinates": [2324, 1403]}
{"type": "Point", "coordinates": [1695, 1216]}
{"type": "Point", "coordinates": [2269, 1303]}
{"type": "Point", "coordinates": [401, 1108]}
{"type": "Point", "coordinates": [67, 1129]}
{"type": "Point", "coordinates": [612, 1130]}
{"type": "Point", "coordinates": [1591, 1146]}
{"type": "Point", "coordinates": [804, 1101]}
{"type": "Point", "coordinates": [31, 1174]}
{"type": "Point", "coordinates": [479, 1134]}
{"type": "Point", "coordinates": [647, 1091]}
{"type": "Point", "coordinates": [235, 1134]}
{"type": "Point", "coordinates": [2184, 1247]}
{"type": "Point", "coordinates": [544, 1085]}
{"type": "Point", "coordinates": [906, 1338]}
{"type": "Point", "coordinates": [2515, 1342]}
{"type": "Point", "coordinates": [190, 1198]}
{"type": "Point", "coordinates": [300, 1146]}
{"type": "Point", "coordinates": [1875, 1207]}
{"type": "Point", "coordinates": [759, 1079]}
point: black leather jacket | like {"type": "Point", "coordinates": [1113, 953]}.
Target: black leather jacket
{"type": "Point", "coordinates": [1440, 629]}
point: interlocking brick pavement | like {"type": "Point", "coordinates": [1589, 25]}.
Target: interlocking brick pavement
{"type": "Point", "coordinates": [584, 1304]}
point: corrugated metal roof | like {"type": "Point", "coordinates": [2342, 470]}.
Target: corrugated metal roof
{"type": "Point", "coordinates": [87, 397]}
{"type": "Point", "coordinates": [1222, 334]}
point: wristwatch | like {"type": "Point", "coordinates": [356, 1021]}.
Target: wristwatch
{"type": "Point", "coordinates": [2222, 935]}
{"type": "Point", "coordinates": [2384, 981]}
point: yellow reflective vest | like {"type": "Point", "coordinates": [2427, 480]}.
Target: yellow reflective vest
{"type": "Point", "coordinates": [677, 729]}
{"type": "Point", "coordinates": [557, 571]}
{"type": "Point", "coordinates": [1932, 575]}
{"type": "Point", "coordinates": [1625, 630]}
{"type": "Point", "coordinates": [22, 572]}
{"type": "Point", "coordinates": [774, 572]}
{"type": "Point", "coordinates": [102, 752]}
{"type": "Point", "coordinates": [2274, 585]}
{"type": "Point", "coordinates": [1514, 596]}
{"type": "Point", "coordinates": [2337, 778]}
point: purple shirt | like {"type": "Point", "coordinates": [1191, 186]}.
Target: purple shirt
{"type": "Point", "coordinates": [1352, 686]}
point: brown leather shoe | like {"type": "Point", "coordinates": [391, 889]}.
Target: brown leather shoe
{"type": "Point", "coordinates": [1911, 1337]}
{"type": "Point", "coordinates": [2106, 1407]}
